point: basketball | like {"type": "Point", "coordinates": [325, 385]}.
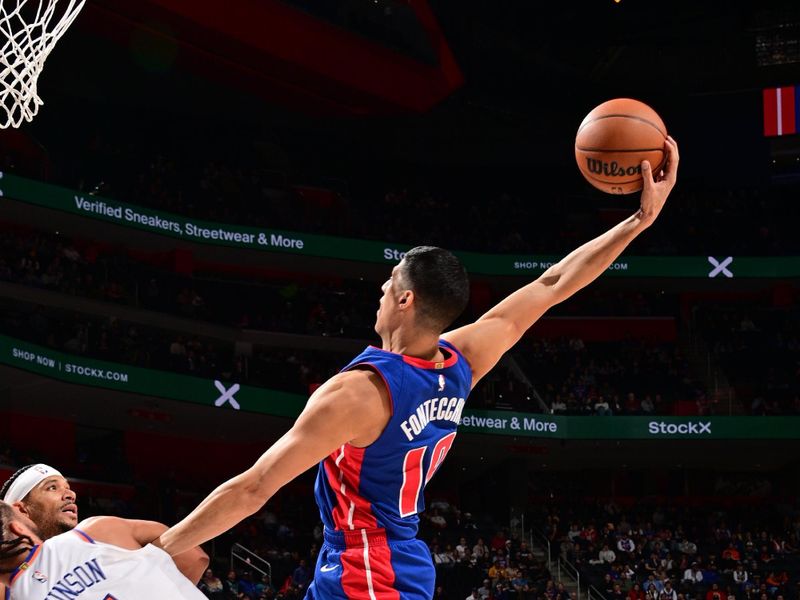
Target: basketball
{"type": "Point", "coordinates": [614, 139]}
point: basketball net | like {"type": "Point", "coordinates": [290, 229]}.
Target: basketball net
{"type": "Point", "coordinates": [28, 31]}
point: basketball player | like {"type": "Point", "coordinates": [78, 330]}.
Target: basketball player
{"type": "Point", "coordinates": [382, 427]}
{"type": "Point", "coordinates": [107, 558]}
{"type": "Point", "coordinates": [42, 494]}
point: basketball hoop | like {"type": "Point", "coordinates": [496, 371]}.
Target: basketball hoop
{"type": "Point", "coordinates": [28, 31]}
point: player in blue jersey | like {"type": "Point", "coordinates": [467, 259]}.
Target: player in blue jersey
{"type": "Point", "coordinates": [382, 427]}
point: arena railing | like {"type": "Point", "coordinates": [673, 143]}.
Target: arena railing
{"type": "Point", "coordinates": [592, 593]}
{"type": "Point", "coordinates": [539, 537]}
{"type": "Point", "coordinates": [251, 560]}
{"type": "Point", "coordinates": [563, 566]}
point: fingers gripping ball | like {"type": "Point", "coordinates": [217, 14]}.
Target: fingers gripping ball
{"type": "Point", "coordinates": [614, 139]}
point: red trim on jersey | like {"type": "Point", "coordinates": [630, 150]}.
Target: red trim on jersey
{"type": "Point", "coordinates": [427, 364]}
{"type": "Point", "coordinates": [367, 570]}
{"type": "Point", "coordinates": [352, 511]}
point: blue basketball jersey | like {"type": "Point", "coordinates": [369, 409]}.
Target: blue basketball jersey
{"type": "Point", "coordinates": [381, 486]}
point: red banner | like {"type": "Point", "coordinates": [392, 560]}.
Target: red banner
{"type": "Point", "coordinates": [780, 110]}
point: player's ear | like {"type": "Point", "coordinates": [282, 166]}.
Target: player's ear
{"type": "Point", "coordinates": [20, 507]}
{"type": "Point", "coordinates": [18, 528]}
{"type": "Point", "coordinates": [406, 299]}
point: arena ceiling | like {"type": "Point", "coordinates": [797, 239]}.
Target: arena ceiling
{"type": "Point", "coordinates": [355, 57]}
{"type": "Point", "coordinates": [339, 58]}
{"type": "Point", "coordinates": [443, 82]}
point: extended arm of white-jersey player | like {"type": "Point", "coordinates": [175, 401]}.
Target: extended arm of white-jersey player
{"type": "Point", "coordinates": [349, 407]}
{"type": "Point", "coordinates": [487, 339]}
{"type": "Point", "coordinates": [130, 533]}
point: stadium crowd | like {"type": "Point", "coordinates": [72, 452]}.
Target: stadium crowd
{"type": "Point", "coordinates": [741, 542]}
{"type": "Point", "coordinates": [641, 551]}
{"type": "Point", "coordinates": [759, 350]}
{"type": "Point", "coordinates": [319, 307]}
{"type": "Point", "coordinates": [612, 378]}
{"type": "Point", "coordinates": [251, 186]}
{"type": "Point", "coordinates": [593, 378]}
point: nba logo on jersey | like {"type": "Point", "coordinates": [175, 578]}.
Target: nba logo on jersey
{"type": "Point", "coordinates": [441, 383]}
{"type": "Point", "coordinates": [40, 577]}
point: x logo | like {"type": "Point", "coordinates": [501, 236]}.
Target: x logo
{"type": "Point", "coordinates": [227, 395]}
{"type": "Point", "coordinates": [720, 266]}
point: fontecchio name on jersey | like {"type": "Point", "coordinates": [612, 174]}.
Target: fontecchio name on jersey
{"type": "Point", "coordinates": [435, 409]}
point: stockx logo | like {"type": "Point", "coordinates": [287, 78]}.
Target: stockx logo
{"type": "Point", "coordinates": [720, 266]}
{"type": "Point", "coordinates": [226, 395]}
{"type": "Point", "coordinates": [690, 428]}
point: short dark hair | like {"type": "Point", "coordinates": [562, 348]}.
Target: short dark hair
{"type": "Point", "coordinates": [12, 479]}
{"type": "Point", "coordinates": [10, 547]}
{"type": "Point", "coordinates": [439, 282]}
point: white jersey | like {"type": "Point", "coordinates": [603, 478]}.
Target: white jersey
{"type": "Point", "coordinates": [73, 566]}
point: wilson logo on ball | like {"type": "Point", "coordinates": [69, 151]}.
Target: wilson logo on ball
{"type": "Point", "coordinates": [612, 169]}
{"type": "Point", "coordinates": [613, 140]}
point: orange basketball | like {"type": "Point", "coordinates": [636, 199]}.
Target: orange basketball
{"type": "Point", "coordinates": [614, 139]}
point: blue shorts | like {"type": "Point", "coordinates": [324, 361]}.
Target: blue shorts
{"type": "Point", "coordinates": [364, 565]}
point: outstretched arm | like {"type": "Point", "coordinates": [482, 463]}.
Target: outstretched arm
{"type": "Point", "coordinates": [135, 533]}
{"type": "Point", "coordinates": [487, 339]}
{"type": "Point", "coordinates": [351, 407]}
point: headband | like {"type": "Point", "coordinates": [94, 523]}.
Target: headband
{"type": "Point", "coordinates": [28, 480]}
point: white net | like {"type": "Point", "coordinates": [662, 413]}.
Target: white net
{"type": "Point", "coordinates": [28, 31]}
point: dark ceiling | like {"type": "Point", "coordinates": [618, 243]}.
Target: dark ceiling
{"type": "Point", "coordinates": [530, 72]}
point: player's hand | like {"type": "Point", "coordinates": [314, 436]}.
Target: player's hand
{"type": "Point", "coordinates": [657, 186]}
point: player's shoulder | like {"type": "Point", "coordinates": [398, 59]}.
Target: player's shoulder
{"type": "Point", "coordinates": [360, 381]}
{"type": "Point", "coordinates": [100, 521]}
{"type": "Point", "coordinates": [102, 526]}
{"type": "Point", "coordinates": [359, 391]}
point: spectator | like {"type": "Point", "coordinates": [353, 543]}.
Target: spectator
{"type": "Point", "coordinates": [606, 555]}
{"type": "Point", "coordinates": [636, 592]}
{"type": "Point", "coordinates": [625, 544]}
{"type": "Point", "coordinates": [211, 585]}
{"type": "Point", "coordinates": [693, 574]}
{"type": "Point", "coordinates": [480, 551]}
{"type": "Point", "coordinates": [247, 587]}
{"type": "Point", "coordinates": [668, 593]}
{"type": "Point", "coordinates": [301, 576]}
{"type": "Point", "coordinates": [601, 407]}
{"type": "Point", "coordinates": [617, 593]}
{"type": "Point", "coordinates": [740, 576]}
{"type": "Point", "coordinates": [231, 585]}
{"type": "Point", "coordinates": [714, 593]}
{"type": "Point", "coordinates": [461, 549]}
{"type": "Point", "coordinates": [731, 553]}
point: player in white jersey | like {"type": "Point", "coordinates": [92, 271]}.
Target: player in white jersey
{"type": "Point", "coordinates": [104, 558]}
{"type": "Point", "coordinates": [42, 494]}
